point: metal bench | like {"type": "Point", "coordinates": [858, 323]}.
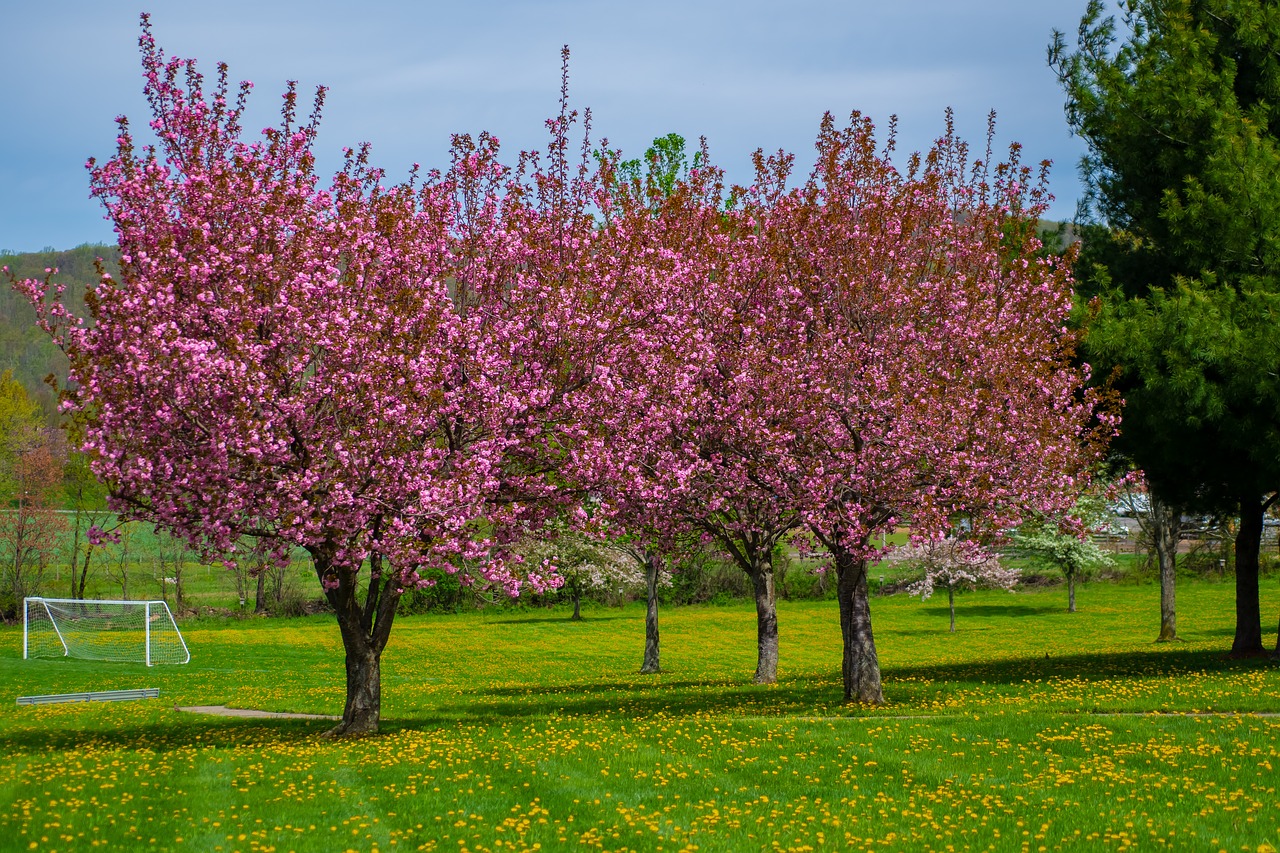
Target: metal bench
{"type": "Point", "coordinates": [98, 696]}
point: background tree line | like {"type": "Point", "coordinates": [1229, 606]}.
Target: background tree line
{"type": "Point", "coordinates": [25, 351]}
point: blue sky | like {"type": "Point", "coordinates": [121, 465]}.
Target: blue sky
{"type": "Point", "coordinates": [405, 75]}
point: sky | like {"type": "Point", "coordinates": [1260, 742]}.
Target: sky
{"type": "Point", "coordinates": [405, 75]}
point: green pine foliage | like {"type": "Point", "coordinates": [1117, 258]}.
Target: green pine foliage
{"type": "Point", "coordinates": [1179, 103]}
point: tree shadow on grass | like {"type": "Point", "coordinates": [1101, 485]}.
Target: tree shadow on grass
{"type": "Point", "coordinates": [965, 611]}
{"type": "Point", "coordinates": [1164, 660]}
{"type": "Point", "coordinates": [557, 620]}
{"type": "Point", "coordinates": [909, 689]}
{"type": "Point", "coordinates": [641, 683]}
{"type": "Point", "coordinates": [179, 732]}
{"type": "Point", "coordinates": [1226, 631]}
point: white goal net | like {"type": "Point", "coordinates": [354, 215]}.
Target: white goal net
{"type": "Point", "coordinates": [139, 631]}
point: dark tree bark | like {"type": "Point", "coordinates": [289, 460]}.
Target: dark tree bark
{"type": "Point", "coordinates": [652, 568]}
{"type": "Point", "coordinates": [1071, 591]}
{"type": "Point", "coordinates": [951, 603]}
{"type": "Point", "coordinates": [81, 557]}
{"type": "Point", "coordinates": [754, 555]}
{"type": "Point", "coordinates": [766, 625]}
{"type": "Point", "coordinates": [79, 561]}
{"type": "Point", "coordinates": [362, 711]}
{"type": "Point", "coordinates": [365, 629]}
{"type": "Point", "coordinates": [1248, 639]}
{"type": "Point", "coordinates": [178, 598]}
{"type": "Point", "coordinates": [577, 603]}
{"type": "Point", "coordinates": [84, 573]}
{"type": "Point", "coordinates": [260, 597]}
{"type": "Point", "coordinates": [1166, 521]}
{"type": "Point", "coordinates": [860, 663]}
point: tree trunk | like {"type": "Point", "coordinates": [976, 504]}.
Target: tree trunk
{"type": "Point", "coordinates": [951, 602]}
{"type": "Point", "coordinates": [1071, 592]}
{"type": "Point", "coordinates": [1165, 523]}
{"type": "Point", "coordinates": [365, 629]}
{"type": "Point", "coordinates": [766, 625]}
{"type": "Point", "coordinates": [260, 598]}
{"type": "Point", "coordinates": [652, 567]}
{"type": "Point", "coordinates": [237, 572]}
{"type": "Point", "coordinates": [860, 663]}
{"type": "Point", "coordinates": [75, 558]}
{"type": "Point", "coordinates": [363, 708]}
{"type": "Point", "coordinates": [177, 582]}
{"type": "Point", "coordinates": [80, 567]}
{"type": "Point", "coordinates": [1248, 640]}
{"type": "Point", "coordinates": [84, 573]}
{"type": "Point", "coordinates": [577, 602]}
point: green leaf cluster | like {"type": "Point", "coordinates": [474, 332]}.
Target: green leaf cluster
{"type": "Point", "coordinates": [1181, 235]}
{"type": "Point", "coordinates": [1042, 540]}
{"type": "Point", "coordinates": [665, 163]}
{"type": "Point", "coordinates": [1200, 369]}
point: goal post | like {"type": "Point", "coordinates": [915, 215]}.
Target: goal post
{"type": "Point", "coordinates": [93, 629]}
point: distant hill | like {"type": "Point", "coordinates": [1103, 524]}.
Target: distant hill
{"type": "Point", "coordinates": [24, 348]}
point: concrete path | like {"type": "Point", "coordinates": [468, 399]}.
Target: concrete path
{"type": "Point", "coordinates": [224, 711]}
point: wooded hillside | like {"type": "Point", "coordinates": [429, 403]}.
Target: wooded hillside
{"type": "Point", "coordinates": [24, 348]}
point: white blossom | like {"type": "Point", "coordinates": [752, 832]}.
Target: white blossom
{"type": "Point", "coordinates": [950, 562]}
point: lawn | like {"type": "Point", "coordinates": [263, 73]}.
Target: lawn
{"type": "Point", "coordinates": [508, 730]}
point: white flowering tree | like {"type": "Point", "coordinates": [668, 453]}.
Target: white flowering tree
{"type": "Point", "coordinates": [952, 563]}
{"type": "Point", "coordinates": [1066, 542]}
{"type": "Point", "coordinates": [587, 563]}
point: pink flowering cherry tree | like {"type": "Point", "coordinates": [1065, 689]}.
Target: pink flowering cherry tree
{"type": "Point", "coordinates": [681, 418]}
{"type": "Point", "coordinates": [373, 373]}
{"type": "Point", "coordinates": [935, 382]}
{"type": "Point", "coordinates": [872, 346]}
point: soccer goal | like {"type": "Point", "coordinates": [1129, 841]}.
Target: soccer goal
{"type": "Point", "coordinates": [141, 631]}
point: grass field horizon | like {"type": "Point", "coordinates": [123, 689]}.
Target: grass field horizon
{"type": "Point", "coordinates": [1028, 728]}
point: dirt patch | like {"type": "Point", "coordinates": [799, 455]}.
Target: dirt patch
{"type": "Point", "coordinates": [224, 711]}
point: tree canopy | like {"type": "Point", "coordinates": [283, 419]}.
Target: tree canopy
{"type": "Point", "coordinates": [1179, 104]}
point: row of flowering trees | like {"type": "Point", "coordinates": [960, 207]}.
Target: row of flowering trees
{"type": "Point", "coordinates": [425, 374]}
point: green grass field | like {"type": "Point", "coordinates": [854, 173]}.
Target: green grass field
{"type": "Point", "coordinates": [512, 730]}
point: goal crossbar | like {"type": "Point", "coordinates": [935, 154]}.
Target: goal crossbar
{"type": "Point", "coordinates": [102, 629]}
